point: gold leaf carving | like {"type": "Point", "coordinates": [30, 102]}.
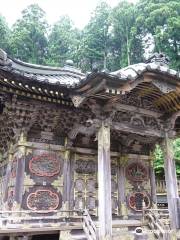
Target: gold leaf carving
{"type": "Point", "coordinates": [58, 182]}
{"type": "Point", "coordinates": [28, 182]}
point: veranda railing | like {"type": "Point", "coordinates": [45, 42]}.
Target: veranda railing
{"type": "Point", "coordinates": [161, 186]}
{"type": "Point", "coordinates": [30, 219]}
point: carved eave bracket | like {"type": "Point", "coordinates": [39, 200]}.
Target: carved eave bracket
{"type": "Point", "coordinates": [88, 130]}
{"type": "Point", "coordinates": [163, 86]}
{"type": "Point", "coordinates": [84, 92]}
{"type": "Point", "coordinates": [77, 100]}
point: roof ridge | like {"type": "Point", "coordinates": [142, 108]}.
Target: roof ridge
{"type": "Point", "coordinates": [46, 67]}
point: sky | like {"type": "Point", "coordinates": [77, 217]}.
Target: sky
{"type": "Point", "coordinates": [78, 10]}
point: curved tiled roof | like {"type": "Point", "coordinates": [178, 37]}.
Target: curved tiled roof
{"type": "Point", "coordinates": [133, 71]}
{"type": "Point", "coordinates": [72, 77]}
{"type": "Point", "coordinates": [67, 75]}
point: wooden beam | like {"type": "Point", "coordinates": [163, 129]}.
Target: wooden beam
{"type": "Point", "coordinates": [136, 130]}
{"type": "Point", "coordinates": [125, 107]}
{"type": "Point", "coordinates": [104, 183]}
{"type": "Point", "coordinates": [171, 182]}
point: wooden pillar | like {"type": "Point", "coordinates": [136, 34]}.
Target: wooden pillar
{"type": "Point", "coordinates": [171, 182]}
{"type": "Point", "coordinates": [67, 179]}
{"type": "Point", "coordinates": [104, 183]}
{"type": "Point", "coordinates": [121, 186]}
{"type": "Point", "coordinates": [19, 183]}
{"type": "Point", "coordinates": [153, 183]}
{"type": "Point", "coordinates": [7, 177]}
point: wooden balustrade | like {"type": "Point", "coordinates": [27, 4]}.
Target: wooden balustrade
{"type": "Point", "coordinates": [30, 219]}
{"type": "Point", "coordinates": [158, 222]}
{"type": "Point", "coordinates": [161, 186]}
{"type": "Point", "coordinates": [89, 227]}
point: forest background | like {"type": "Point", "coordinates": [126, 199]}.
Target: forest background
{"type": "Point", "coordinates": [112, 39]}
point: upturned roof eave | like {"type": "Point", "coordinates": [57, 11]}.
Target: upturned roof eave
{"type": "Point", "coordinates": [74, 79]}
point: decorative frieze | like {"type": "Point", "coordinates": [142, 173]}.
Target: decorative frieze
{"type": "Point", "coordinates": [44, 199]}
{"type": "Point", "coordinates": [136, 172]}
{"type": "Point", "coordinates": [44, 165]}
{"type": "Point", "coordinates": [139, 200]}
{"type": "Point", "coordinates": [85, 166]}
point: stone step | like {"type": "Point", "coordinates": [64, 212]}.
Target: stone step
{"type": "Point", "coordinates": [125, 234]}
{"type": "Point", "coordinates": [78, 235]}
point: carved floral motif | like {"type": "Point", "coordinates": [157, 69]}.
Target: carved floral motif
{"type": "Point", "coordinates": [137, 120]}
{"type": "Point", "coordinates": [85, 167]}
{"type": "Point", "coordinates": [43, 200]}
{"type": "Point", "coordinates": [137, 101]}
{"type": "Point", "coordinates": [139, 200]}
{"type": "Point", "coordinates": [44, 165]}
{"type": "Point", "coordinates": [80, 185]}
{"type": "Point", "coordinates": [136, 172]}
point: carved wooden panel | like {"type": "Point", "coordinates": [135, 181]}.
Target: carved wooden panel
{"type": "Point", "coordinates": [44, 165]}
{"type": "Point", "coordinates": [113, 186]}
{"type": "Point", "coordinates": [114, 203]}
{"type": "Point", "coordinates": [85, 183]}
{"type": "Point", "coordinates": [43, 179]}
{"type": "Point", "coordinates": [79, 202]}
{"type": "Point", "coordinates": [91, 203]}
{"type": "Point", "coordinates": [80, 185]}
{"type": "Point", "coordinates": [137, 172]}
{"type": "Point", "coordinates": [113, 169]}
{"type": "Point", "coordinates": [14, 167]}
{"type": "Point", "coordinates": [86, 186]}
{"type": "Point", "coordinates": [91, 185]}
{"type": "Point", "coordinates": [85, 166]}
{"type": "Point", "coordinates": [10, 200]}
{"type": "Point", "coordinates": [135, 201]}
{"type": "Point", "coordinates": [43, 199]}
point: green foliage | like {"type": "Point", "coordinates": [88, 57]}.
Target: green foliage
{"type": "Point", "coordinates": [113, 38]}
{"type": "Point", "coordinates": [29, 35]}
{"type": "Point", "coordinates": [159, 159]}
{"type": "Point", "coordinates": [63, 42]}
{"type": "Point", "coordinates": [159, 162]}
{"type": "Point", "coordinates": [177, 155]}
{"type": "Point", "coordinates": [161, 18]}
{"type": "Point", "coordinates": [127, 41]}
{"type": "Point", "coordinates": [4, 34]}
{"type": "Point", "coordinates": [96, 39]}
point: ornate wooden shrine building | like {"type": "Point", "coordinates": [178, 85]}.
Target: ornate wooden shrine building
{"type": "Point", "coordinates": [70, 141]}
